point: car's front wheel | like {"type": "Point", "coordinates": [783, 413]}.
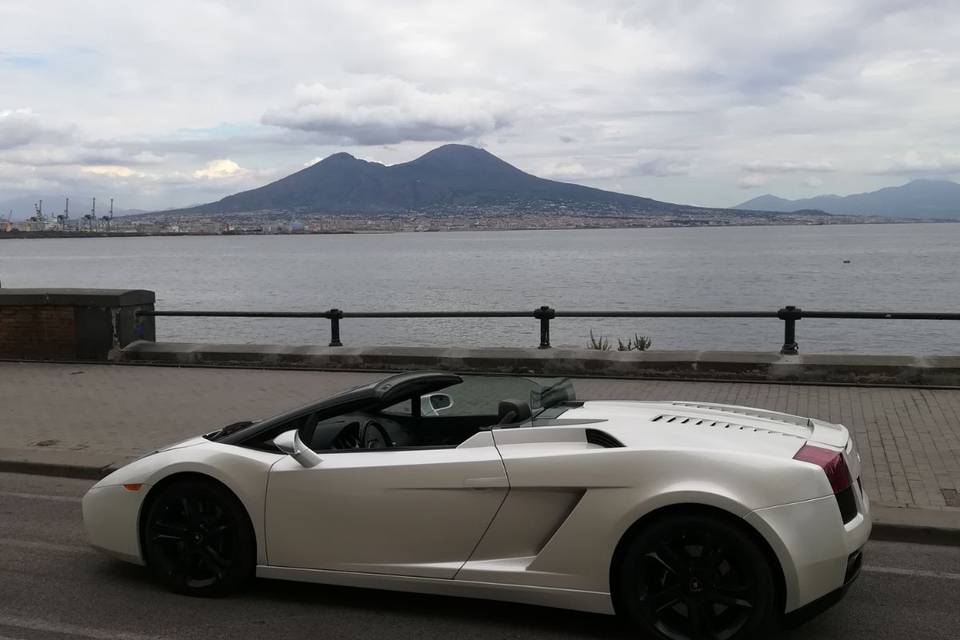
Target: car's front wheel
{"type": "Point", "coordinates": [197, 538]}
{"type": "Point", "coordinates": [695, 576]}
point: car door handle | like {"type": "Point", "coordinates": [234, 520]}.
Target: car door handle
{"type": "Point", "coordinates": [494, 482]}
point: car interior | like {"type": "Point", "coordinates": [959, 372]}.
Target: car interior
{"type": "Point", "coordinates": [413, 410]}
{"type": "Point", "coordinates": [404, 426]}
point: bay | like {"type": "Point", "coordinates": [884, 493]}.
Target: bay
{"type": "Point", "coordinates": [910, 267]}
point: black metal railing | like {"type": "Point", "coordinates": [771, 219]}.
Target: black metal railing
{"type": "Point", "coordinates": [789, 315]}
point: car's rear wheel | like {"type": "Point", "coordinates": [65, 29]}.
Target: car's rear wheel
{"type": "Point", "coordinates": [691, 576]}
{"type": "Point", "coordinates": [197, 538]}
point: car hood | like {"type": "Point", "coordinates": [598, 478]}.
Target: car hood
{"type": "Point", "coordinates": [189, 442]}
{"type": "Point", "coordinates": [705, 424]}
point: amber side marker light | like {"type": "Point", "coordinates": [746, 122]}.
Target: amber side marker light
{"type": "Point", "coordinates": [133, 487]}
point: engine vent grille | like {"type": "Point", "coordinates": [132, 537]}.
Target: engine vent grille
{"type": "Point", "coordinates": [602, 439]}
{"type": "Point", "coordinates": [753, 413]}
{"type": "Point", "coordinates": [693, 421]}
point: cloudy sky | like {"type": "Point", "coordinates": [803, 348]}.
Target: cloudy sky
{"type": "Point", "coordinates": [707, 102]}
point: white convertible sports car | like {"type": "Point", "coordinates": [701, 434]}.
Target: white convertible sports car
{"type": "Point", "coordinates": [689, 519]}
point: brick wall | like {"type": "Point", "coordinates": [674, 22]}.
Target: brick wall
{"type": "Point", "coordinates": [37, 332]}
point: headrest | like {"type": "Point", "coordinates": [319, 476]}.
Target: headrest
{"type": "Point", "coordinates": [513, 411]}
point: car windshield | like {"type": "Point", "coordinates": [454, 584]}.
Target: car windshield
{"type": "Point", "coordinates": [481, 395]}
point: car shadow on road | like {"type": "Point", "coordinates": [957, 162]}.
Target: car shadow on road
{"type": "Point", "coordinates": [489, 617]}
{"type": "Point", "coordinates": [284, 598]}
{"type": "Point", "coordinates": [522, 619]}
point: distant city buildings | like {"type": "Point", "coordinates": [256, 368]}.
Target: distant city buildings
{"type": "Point", "coordinates": [513, 216]}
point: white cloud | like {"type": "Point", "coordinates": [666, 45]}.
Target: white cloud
{"type": "Point", "coordinates": [222, 169]}
{"type": "Point", "coordinates": [662, 168]}
{"type": "Point", "coordinates": [606, 168]}
{"type": "Point", "coordinates": [809, 166]}
{"type": "Point", "coordinates": [574, 170]}
{"type": "Point", "coordinates": [89, 154]}
{"type": "Point", "coordinates": [752, 180]}
{"type": "Point", "coordinates": [943, 163]}
{"type": "Point", "coordinates": [386, 111]}
{"type": "Point", "coordinates": [112, 171]}
{"type": "Point", "coordinates": [20, 127]}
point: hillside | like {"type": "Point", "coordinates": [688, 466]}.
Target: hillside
{"type": "Point", "coordinates": [916, 199]}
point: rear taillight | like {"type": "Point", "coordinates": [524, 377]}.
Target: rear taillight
{"type": "Point", "coordinates": [831, 462]}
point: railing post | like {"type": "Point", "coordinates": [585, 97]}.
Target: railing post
{"type": "Point", "coordinates": [335, 315]}
{"type": "Point", "coordinates": [545, 314]}
{"type": "Point", "coordinates": [790, 315]}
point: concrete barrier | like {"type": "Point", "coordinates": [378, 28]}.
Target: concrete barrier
{"type": "Point", "coordinates": [706, 365]}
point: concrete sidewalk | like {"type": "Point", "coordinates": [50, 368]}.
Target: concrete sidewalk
{"type": "Point", "coordinates": [80, 419]}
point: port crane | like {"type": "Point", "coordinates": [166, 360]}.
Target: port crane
{"type": "Point", "coordinates": [65, 216]}
{"type": "Point", "coordinates": [38, 214]}
{"type": "Point", "coordinates": [92, 216]}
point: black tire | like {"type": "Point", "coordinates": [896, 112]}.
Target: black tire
{"type": "Point", "coordinates": [197, 538]}
{"type": "Point", "coordinates": [695, 577]}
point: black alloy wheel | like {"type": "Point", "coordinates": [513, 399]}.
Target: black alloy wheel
{"type": "Point", "coordinates": [693, 577]}
{"type": "Point", "coordinates": [197, 538]}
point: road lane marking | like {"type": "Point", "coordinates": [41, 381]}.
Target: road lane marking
{"type": "Point", "coordinates": [45, 546]}
{"type": "Point", "coordinates": [39, 496]}
{"type": "Point", "coordinates": [914, 573]}
{"type": "Point", "coordinates": [36, 624]}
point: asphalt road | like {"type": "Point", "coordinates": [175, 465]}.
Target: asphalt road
{"type": "Point", "coordinates": [53, 586]}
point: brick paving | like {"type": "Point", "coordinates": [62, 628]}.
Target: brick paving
{"type": "Point", "coordinates": [909, 438]}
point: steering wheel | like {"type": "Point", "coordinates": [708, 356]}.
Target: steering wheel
{"type": "Point", "coordinates": [374, 436]}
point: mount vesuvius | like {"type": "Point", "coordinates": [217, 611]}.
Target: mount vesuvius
{"type": "Point", "coordinates": [449, 176]}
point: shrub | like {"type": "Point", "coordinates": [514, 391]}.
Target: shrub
{"type": "Point", "coordinates": [636, 343]}
{"type": "Point", "coordinates": [599, 344]}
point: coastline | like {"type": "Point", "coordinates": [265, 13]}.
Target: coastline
{"type": "Point", "coordinates": [58, 234]}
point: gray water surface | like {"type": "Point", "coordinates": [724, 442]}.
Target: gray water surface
{"type": "Point", "coordinates": [892, 268]}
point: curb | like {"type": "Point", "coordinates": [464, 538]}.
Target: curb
{"type": "Point", "coordinates": [919, 526]}
{"type": "Point", "coordinates": [916, 534]}
{"type": "Point", "coordinates": [890, 523]}
{"type": "Point", "coordinates": [55, 470]}
{"type": "Point", "coordinates": [61, 464]}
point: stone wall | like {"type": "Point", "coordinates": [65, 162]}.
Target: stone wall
{"type": "Point", "coordinates": [36, 332]}
{"type": "Point", "coordinates": [71, 324]}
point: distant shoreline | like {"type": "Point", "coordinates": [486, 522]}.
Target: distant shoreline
{"type": "Point", "coordinates": [40, 235]}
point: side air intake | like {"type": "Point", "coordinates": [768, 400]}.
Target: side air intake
{"type": "Point", "coordinates": [602, 439]}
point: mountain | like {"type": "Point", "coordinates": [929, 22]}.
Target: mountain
{"type": "Point", "coordinates": [916, 199]}
{"type": "Point", "coordinates": [449, 176]}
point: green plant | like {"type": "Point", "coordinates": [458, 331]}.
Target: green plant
{"type": "Point", "coordinates": [600, 343]}
{"type": "Point", "coordinates": [641, 343]}
{"type": "Point", "coordinates": [636, 343]}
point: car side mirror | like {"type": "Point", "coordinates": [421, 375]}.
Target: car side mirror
{"type": "Point", "coordinates": [434, 403]}
{"type": "Point", "coordinates": [440, 401]}
{"type": "Point", "coordinates": [290, 443]}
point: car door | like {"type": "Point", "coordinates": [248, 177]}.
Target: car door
{"type": "Point", "coordinates": [400, 511]}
